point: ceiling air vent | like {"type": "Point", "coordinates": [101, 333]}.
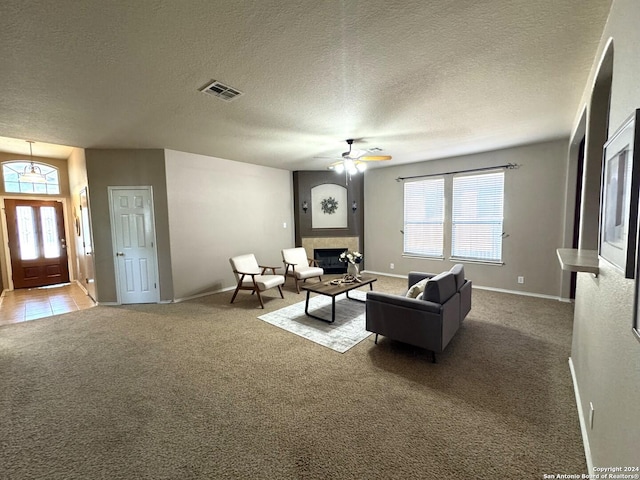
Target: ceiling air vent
{"type": "Point", "coordinates": [220, 90]}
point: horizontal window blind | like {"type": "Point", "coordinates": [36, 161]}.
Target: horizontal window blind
{"type": "Point", "coordinates": [477, 215]}
{"type": "Point", "coordinates": [424, 217]}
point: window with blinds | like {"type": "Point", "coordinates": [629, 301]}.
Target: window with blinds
{"type": "Point", "coordinates": [477, 214]}
{"type": "Point", "coordinates": [424, 218]}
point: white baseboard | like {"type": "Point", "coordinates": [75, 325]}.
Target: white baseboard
{"type": "Point", "coordinates": [519, 292]}
{"type": "Point", "coordinates": [479, 287]}
{"type": "Point", "coordinates": [204, 294]}
{"type": "Point", "coordinates": [583, 423]}
{"type": "Point", "coordinates": [384, 274]}
{"type": "Point", "coordinates": [178, 300]}
{"type": "Point", "coordinates": [79, 283]}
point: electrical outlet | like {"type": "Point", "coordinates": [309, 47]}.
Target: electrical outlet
{"type": "Point", "coordinates": [392, 266]}
{"type": "Point", "coordinates": [520, 279]}
{"type": "Point", "coordinates": [592, 412]}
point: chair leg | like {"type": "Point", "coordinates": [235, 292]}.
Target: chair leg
{"type": "Point", "coordinates": [235, 293]}
{"type": "Point", "coordinates": [259, 298]}
{"type": "Point", "coordinates": [376, 341]}
{"type": "Point", "coordinates": [433, 357]}
{"type": "Point", "coordinates": [297, 286]}
{"type": "Point", "coordinates": [280, 290]}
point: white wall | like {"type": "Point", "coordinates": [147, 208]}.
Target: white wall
{"type": "Point", "coordinates": [605, 354]}
{"type": "Point", "coordinates": [220, 208]}
{"type": "Point", "coordinates": [83, 264]}
{"type": "Point", "coordinates": [533, 218]}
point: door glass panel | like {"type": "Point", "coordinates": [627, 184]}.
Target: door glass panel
{"type": "Point", "coordinates": [27, 233]}
{"type": "Point", "coordinates": [50, 238]}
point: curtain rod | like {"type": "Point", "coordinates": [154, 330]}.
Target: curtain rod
{"type": "Point", "coordinates": [508, 166]}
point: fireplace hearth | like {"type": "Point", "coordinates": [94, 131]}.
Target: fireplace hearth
{"type": "Point", "coordinates": [329, 259]}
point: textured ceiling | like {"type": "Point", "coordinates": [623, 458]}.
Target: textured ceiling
{"type": "Point", "coordinates": [420, 79]}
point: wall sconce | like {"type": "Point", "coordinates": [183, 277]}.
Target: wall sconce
{"type": "Point", "coordinates": [354, 206]}
{"type": "Point", "coordinates": [305, 206]}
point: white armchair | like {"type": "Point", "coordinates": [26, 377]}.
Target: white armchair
{"type": "Point", "coordinates": [299, 266]}
{"type": "Point", "coordinates": [251, 276]}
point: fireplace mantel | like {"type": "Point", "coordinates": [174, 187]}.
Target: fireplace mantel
{"type": "Point", "coordinates": [311, 243]}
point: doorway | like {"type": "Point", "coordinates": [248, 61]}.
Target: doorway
{"type": "Point", "coordinates": [134, 243]}
{"type": "Point", "coordinates": [37, 243]}
{"type": "Point", "coordinates": [577, 213]}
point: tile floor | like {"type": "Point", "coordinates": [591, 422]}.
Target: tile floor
{"type": "Point", "coordinates": [33, 303]}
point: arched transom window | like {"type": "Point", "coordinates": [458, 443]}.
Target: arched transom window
{"type": "Point", "coordinates": [17, 179]}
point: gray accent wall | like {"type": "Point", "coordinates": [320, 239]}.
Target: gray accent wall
{"type": "Point", "coordinates": [126, 167]}
{"type": "Point", "coordinates": [534, 208]}
{"type": "Point", "coordinates": [605, 355]}
{"type": "Point", "coordinates": [221, 208]}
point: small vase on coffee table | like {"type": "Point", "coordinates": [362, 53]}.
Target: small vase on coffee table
{"type": "Point", "coordinates": [352, 269]}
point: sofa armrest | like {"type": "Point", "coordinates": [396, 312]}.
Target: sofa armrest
{"type": "Point", "coordinates": [401, 301]}
{"type": "Point", "coordinates": [415, 277]}
{"type": "Point", "coordinates": [465, 299]}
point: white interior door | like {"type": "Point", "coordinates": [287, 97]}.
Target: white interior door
{"type": "Point", "coordinates": [133, 231]}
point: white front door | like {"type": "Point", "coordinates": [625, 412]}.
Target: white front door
{"type": "Point", "coordinates": [134, 243]}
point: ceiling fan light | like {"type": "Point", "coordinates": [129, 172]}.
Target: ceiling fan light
{"type": "Point", "coordinates": [350, 167]}
{"type": "Point", "coordinates": [339, 168]}
{"type": "Point", "coordinates": [361, 166]}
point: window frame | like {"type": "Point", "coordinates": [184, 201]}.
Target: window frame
{"type": "Point", "coordinates": [435, 253]}
{"type": "Point", "coordinates": [448, 223]}
{"type": "Point", "coordinates": [17, 166]}
{"type": "Point", "coordinates": [497, 245]}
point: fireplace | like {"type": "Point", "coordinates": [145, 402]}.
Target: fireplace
{"type": "Point", "coordinates": [328, 259]}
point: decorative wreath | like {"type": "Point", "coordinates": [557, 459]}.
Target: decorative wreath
{"type": "Point", "coordinates": [329, 205]}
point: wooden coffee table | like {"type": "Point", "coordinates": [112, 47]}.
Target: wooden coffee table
{"type": "Point", "coordinates": [325, 288]}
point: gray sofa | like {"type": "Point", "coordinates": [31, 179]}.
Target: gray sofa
{"type": "Point", "coordinates": [429, 321]}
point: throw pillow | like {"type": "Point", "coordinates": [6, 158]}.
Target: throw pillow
{"type": "Point", "coordinates": [417, 288]}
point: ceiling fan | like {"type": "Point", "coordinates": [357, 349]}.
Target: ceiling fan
{"type": "Point", "coordinates": [353, 161]}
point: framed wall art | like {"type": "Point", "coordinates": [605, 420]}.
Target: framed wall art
{"type": "Point", "coordinates": [619, 201]}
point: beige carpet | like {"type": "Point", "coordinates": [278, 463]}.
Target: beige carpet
{"type": "Point", "coordinates": [204, 389]}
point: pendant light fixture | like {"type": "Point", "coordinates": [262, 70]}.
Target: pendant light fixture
{"type": "Point", "coordinates": [32, 173]}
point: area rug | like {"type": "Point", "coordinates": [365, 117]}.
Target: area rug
{"type": "Point", "coordinates": [347, 331]}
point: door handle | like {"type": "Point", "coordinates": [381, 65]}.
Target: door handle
{"type": "Point", "coordinates": [119, 254]}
